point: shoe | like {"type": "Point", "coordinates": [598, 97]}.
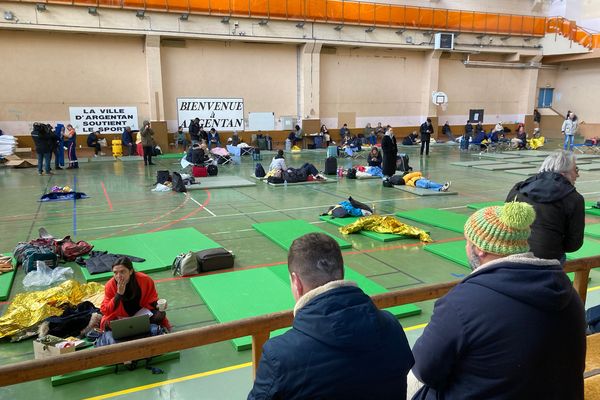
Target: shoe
{"type": "Point", "coordinates": [69, 167]}
{"type": "Point", "coordinates": [151, 163]}
{"type": "Point", "coordinates": [102, 154]}
{"type": "Point", "coordinates": [40, 173]}
{"type": "Point", "coordinates": [58, 168]}
{"type": "Point", "coordinates": [445, 187]}
{"type": "Point", "coordinates": [49, 173]}
{"type": "Point", "coordinates": [95, 155]}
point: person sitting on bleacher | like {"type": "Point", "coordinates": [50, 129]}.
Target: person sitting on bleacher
{"type": "Point", "coordinates": [514, 328]}
{"type": "Point", "coordinates": [340, 346]}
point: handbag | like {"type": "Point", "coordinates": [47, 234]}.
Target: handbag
{"type": "Point", "coordinates": [185, 264]}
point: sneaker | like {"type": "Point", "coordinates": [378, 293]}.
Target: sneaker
{"type": "Point", "coordinates": [445, 187]}
{"type": "Point", "coordinates": [40, 173]}
{"type": "Point", "coordinates": [95, 155]}
{"type": "Point", "coordinates": [102, 154]}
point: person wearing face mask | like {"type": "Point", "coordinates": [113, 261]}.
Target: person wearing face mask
{"type": "Point", "coordinates": [125, 294]}
{"type": "Point", "coordinates": [512, 323]}
{"type": "Point", "coordinates": [560, 209]}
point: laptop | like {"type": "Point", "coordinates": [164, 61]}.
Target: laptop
{"type": "Point", "coordinates": [130, 327]}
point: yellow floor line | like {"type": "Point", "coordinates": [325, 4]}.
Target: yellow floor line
{"type": "Point", "coordinates": [222, 370]}
{"type": "Point", "coordinates": [170, 381]}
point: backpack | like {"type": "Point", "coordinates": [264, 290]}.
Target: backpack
{"type": "Point", "coordinates": [27, 255]}
{"type": "Point", "coordinates": [185, 264]}
{"type": "Point", "coordinates": [402, 163]}
{"type": "Point", "coordinates": [330, 166]}
{"type": "Point", "coordinates": [214, 259]}
{"type": "Point", "coordinates": [163, 176]}
{"type": "Point", "coordinates": [178, 185]}
{"type": "Point", "coordinates": [212, 170]}
{"type": "Point", "coordinates": [259, 171]}
{"type": "Point", "coordinates": [156, 151]}
{"type": "Point", "coordinates": [351, 174]}
{"type": "Point", "coordinates": [275, 179]}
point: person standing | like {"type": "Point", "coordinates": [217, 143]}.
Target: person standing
{"type": "Point", "coordinates": [344, 132]}
{"type": "Point", "coordinates": [447, 131]}
{"type": "Point", "coordinates": [567, 131]}
{"type": "Point", "coordinates": [59, 152]}
{"type": "Point", "coordinates": [340, 346]}
{"type": "Point", "coordinates": [194, 130]}
{"type": "Point", "coordinates": [43, 138]}
{"type": "Point", "coordinates": [537, 117]}
{"type": "Point", "coordinates": [426, 131]}
{"type": "Point", "coordinates": [464, 144]}
{"type": "Point", "coordinates": [147, 142]}
{"type": "Point", "coordinates": [560, 209]}
{"type": "Point", "coordinates": [389, 150]}
{"type": "Point", "coordinates": [71, 143]}
{"type": "Point", "coordinates": [514, 328]}
{"type": "Point", "coordinates": [127, 140]}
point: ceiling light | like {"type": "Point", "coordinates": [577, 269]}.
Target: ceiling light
{"type": "Point", "coordinates": [184, 17]}
{"type": "Point", "coordinates": [370, 29]}
{"type": "Point", "coordinates": [300, 25]}
{"type": "Point", "coordinates": [92, 10]}
{"type": "Point", "coordinates": [400, 31]}
{"type": "Point", "coordinates": [8, 15]}
{"type": "Point", "coordinates": [225, 20]}
{"type": "Point", "coordinates": [263, 22]}
{"type": "Point", "coordinates": [338, 27]}
{"type": "Point", "coordinates": [40, 7]}
{"type": "Point", "coordinates": [140, 14]}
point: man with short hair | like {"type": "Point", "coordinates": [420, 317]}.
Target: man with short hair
{"type": "Point", "coordinates": [194, 130]}
{"type": "Point", "coordinates": [426, 131]}
{"type": "Point", "coordinates": [340, 345]}
{"type": "Point", "coordinates": [560, 210]}
{"type": "Point", "coordinates": [513, 329]}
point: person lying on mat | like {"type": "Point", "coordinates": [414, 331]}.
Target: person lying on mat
{"type": "Point", "coordinates": [410, 140]}
{"type": "Point", "coordinates": [415, 179]}
{"type": "Point", "coordinates": [374, 157]}
{"type": "Point", "coordinates": [126, 294]}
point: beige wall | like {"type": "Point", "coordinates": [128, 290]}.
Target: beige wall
{"type": "Point", "coordinates": [495, 90]}
{"type": "Point", "coordinates": [264, 75]}
{"type": "Point", "coordinates": [48, 72]}
{"type": "Point", "coordinates": [577, 88]}
{"type": "Point", "coordinates": [373, 83]}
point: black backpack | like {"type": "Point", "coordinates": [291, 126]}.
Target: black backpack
{"type": "Point", "coordinates": [212, 170]}
{"type": "Point", "coordinates": [275, 180]}
{"type": "Point", "coordinates": [402, 163]}
{"type": "Point", "coordinates": [178, 185]}
{"type": "Point", "coordinates": [163, 176]}
{"type": "Point", "coordinates": [259, 171]}
{"type": "Point", "coordinates": [351, 174]}
{"type": "Point", "coordinates": [330, 166]}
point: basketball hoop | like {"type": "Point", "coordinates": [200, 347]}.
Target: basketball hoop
{"type": "Point", "coordinates": [440, 99]}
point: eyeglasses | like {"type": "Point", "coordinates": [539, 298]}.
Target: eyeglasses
{"type": "Point", "coordinates": [577, 170]}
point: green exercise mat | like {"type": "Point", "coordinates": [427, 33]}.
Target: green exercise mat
{"type": "Point", "coordinates": [434, 217]}
{"type": "Point", "coordinates": [382, 237]}
{"type": "Point", "coordinates": [284, 233]}
{"type": "Point", "coordinates": [453, 251]}
{"type": "Point", "coordinates": [504, 166]}
{"type": "Point", "coordinates": [589, 167]}
{"type": "Point", "coordinates": [159, 249]}
{"type": "Point", "coordinates": [536, 153]}
{"type": "Point", "coordinates": [218, 182]}
{"type": "Point", "coordinates": [423, 192]}
{"type": "Point", "coordinates": [171, 156]}
{"type": "Point", "coordinates": [479, 206]}
{"type": "Point", "coordinates": [531, 160]}
{"type": "Point", "coordinates": [500, 156]}
{"type": "Point", "coordinates": [248, 293]}
{"type": "Point", "coordinates": [476, 162]}
{"type": "Point", "coordinates": [590, 248]}
{"type": "Point", "coordinates": [317, 182]}
{"type": "Point", "coordinates": [524, 171]}
{"type": "Point", "coordinates": [589, 209]}
{"type": "Point", "coordinates": [593, 230]}
{"type": "Point", "coordinates": [7, 279]}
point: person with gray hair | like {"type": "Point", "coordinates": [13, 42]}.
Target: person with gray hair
{"type": "Point", "coordinates": [560, 209]}
{"type": "Point", "coordinates": [340, 345]}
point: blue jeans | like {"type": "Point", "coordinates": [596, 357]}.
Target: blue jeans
{"type": "Point", "coordinates": [107, 337]}
{"type": "Point", "coordinates": [569, 142]}
{"type": "Point", "coordinates": [373, 140]}
{"type": "Point", "coordinates": [427, 184]}
{"type": "Point", "coordinates": [45, 159]}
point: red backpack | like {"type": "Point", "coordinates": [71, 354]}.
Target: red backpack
{"type": "Point", "coordinates": [70, 250]}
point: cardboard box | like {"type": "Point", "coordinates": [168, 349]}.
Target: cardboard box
{"type": "Point", "coordinates": [48, 348]}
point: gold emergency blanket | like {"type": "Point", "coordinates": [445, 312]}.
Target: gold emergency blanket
{"type": "Point", "coordinates": [29, 309]}
{"type": "Point", "coordinates": [385, 224]}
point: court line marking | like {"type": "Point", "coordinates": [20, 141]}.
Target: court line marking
{"type": "Point", "coordinates": [202, 205]}
{"type": "Point", "coordinates": [170, 381]}
{"type": "Point", "coordinates": [110, 206]}
{"type": "Point", "coordinates": [194, 212]}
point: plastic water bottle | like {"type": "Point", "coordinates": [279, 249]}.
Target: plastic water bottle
{"type": "Point", "coordinates": [285, 183]}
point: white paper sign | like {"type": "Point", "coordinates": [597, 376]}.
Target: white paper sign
{"type": "Point", "coordinates": [221, 114]}
{"type": "Point", "coordinates": [103, 119]}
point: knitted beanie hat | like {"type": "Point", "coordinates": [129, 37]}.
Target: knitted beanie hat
{"type": "Point", "coordinates": [501, 230]}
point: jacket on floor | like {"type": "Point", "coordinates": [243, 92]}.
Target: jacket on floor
{"type": "Point", "coordinates": [560, 214]}
{"type": "Point", "coordinates": [339, 347]}
{"type": "Point", "coordinates": [513, 329]}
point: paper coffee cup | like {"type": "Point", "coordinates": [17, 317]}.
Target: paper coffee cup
{"type": "Point", "coordinates": [161, 304]}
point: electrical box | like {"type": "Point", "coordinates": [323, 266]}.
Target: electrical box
{"type": "Point", "coordinates": [444, 41]}
{"type": "Point", "coordinates": [288, 123]}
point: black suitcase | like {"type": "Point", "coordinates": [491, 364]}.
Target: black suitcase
{"type": "Point", "coordinates": [331, 166]}
{"type": "Point", "coordinates": [214, 259]}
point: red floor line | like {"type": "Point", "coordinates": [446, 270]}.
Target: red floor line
{"type": "Point", "coordinates": [4, 302]}
{"type": "Point", "coordinates": [196, 211]}
{"type": "Point", "coordinates": [106, 195]}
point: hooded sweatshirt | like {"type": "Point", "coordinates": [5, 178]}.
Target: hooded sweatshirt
{"type": "Point", "coordinates": [560, 214]}
{"type": "Point", "coordinates": [513, 329]}
{"type": "Point", "coordinates": [339, 347]}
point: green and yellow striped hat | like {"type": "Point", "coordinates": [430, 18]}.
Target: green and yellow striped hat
{"type": "Point", "coordinates": [501, 230]}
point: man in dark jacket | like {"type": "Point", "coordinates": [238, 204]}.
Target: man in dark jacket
{"type": "Point", "coordinates": [426, 131]}
{"type": "Point", "coordinates": [340, 345]}
{"type": "Point", "coordinates": [464, 143]}
{"type": "Point", "coordinates": [389, 152]}
{"type": "Point", "coordinates": [44, 140]}
{"type": "Point", "coordinates": [560, 210]}
{"type": "Point", "coordinates": [513, 329]}
{"type": "Point", "coordinates": [194, 130]}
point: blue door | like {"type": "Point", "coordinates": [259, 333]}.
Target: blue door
{"type": "Point", "coordinates": [545, 97]}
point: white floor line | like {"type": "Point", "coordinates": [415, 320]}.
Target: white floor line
{"type": "Point", "coordinates": [583, 194]}
{"type": "Point", "coordinates": [195, 201]}
{"type": "Point", "coordinates": [452, 208]}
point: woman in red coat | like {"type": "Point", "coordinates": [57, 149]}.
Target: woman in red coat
{"type": "Point", "coordinates": [125, 294]}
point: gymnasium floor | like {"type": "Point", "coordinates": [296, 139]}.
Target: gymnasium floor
{"type": "Point", "coordinates": [121, 203]}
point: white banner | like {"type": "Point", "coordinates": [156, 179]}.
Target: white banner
{"type": "Point", "coordinates": [221, 114]}
{"type": "Point", "coordinates": [103, 119]}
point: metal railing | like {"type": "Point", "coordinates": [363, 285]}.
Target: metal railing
{"type": "Point", "coordinates": [257, 327]}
